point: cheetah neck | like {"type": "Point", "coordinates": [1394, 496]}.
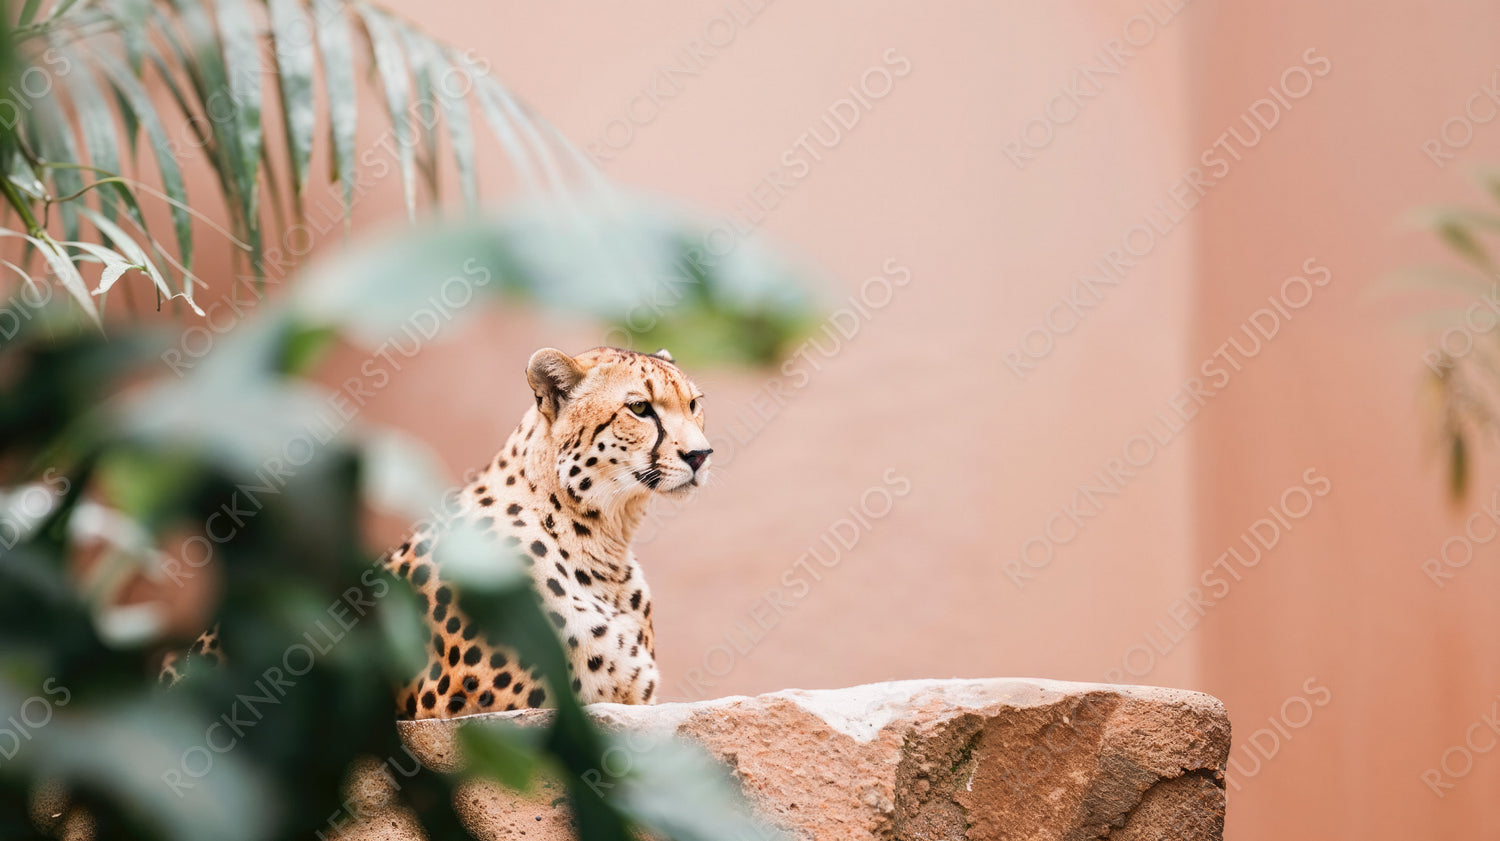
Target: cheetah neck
{"type": "Point", "coordinates": [612, 517]}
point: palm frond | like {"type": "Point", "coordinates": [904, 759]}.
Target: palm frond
{"type": "Point", "coordinates": [213, 62]}
{"type": "Point", "coordinates": [391, 64]}
{"type": "Point", "coordinates": [295, 63]}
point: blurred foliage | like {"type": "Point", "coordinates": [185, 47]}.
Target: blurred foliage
{"type": "Point", "coordinates": [665, 276]}
{"type": "Point", "coordinates": [639, 264]}
{"type": "Point", "coordinates": [89, 422]}
{"type": "Point", "coordinates": [103, 453]}
{"type": "Point", "coordinates": [1462, 375]}
{"type": "Point", "coordinates": [77, 103]}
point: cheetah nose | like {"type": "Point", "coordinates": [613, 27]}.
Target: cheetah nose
{"type": "Point", "coordinates": [695, 458]}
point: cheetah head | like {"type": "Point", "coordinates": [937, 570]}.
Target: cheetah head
{"type": "Point", "coordinates": [622, 425]}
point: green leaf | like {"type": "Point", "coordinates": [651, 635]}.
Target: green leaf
{"type": "Point", "coordinates": [1488, 177]}
{"type": "Point", "coordinates": [304, 346]}
{"type": "Point", "coordinates": [58, 144]}
{"type": "Point", "coordinates": [137, 255]}
{"type": "Point", "coordinates": [677, 790]}
{"type": "Point", "coordinates": [61, 9]}
{"type": "Point", "coordinates": [402, 474]}
{"type": "Point", "coordinates": [114, 264]}
{"type": "Point", "coordinates": [1430, 278]}
{"type": "Point", "coordinates": [291, 33]}
{"type": "Point", "coordinates": [240, 39]}
{"type": "Point", "coordinates": [375, 290]}
{"type": "Point", "coordinates": [11, 63]}
{"type": "Point", "coordinates": [146, 486]}
{"type": "Point", "coordinates": [166, 160]}
{"type": "Point", "coordinates": [594, 181]}
{"type": "Point", "coordinates": [132, 15]}
{"type": "Point", "coordinates": [1456, 226]}
{"type": "Point", "coordinates": [1460, 239]}
{"type": "Point", "coordinates": [501, 751]}
{"type": "Point", "coordinates": [120, 750]}
{"type": "Point", "coordinates": [494, 115]}
{"type": "Point", "coordinates": [206, 69]}
{"type": "Point", "coordinates": [196, 51]}
{"type": "Point", "coordinates": [481, 568]}
{"type": "Point", "coordinates": [23, 178]}
{"type": "Point", "coordinates": [239, 35]}
{"type": "Point", "coordinates": [253, 417]}
{"type": "Point", "coordinates": [456, 116]}
{"type": "Point", "coordinates": [61, 265]}
{"type": "Point", "coordinates": [392, 67]}
{"type": "Point", "coordinates": [518, 117]}
{"type": "Point", "coordinates": [136, 218]}
{"type": "Point", "coordinates": [425, 108]}
{"type": "Point", "coordinates": [1438, 216]}
{"type": "Point", "coordinates": [190, 114]}
{"type": "Point", "coordinates": [127, 116]}
{"type": "Point", "coordinates": [96, 122]}
{"type": "Point", "coordinates": [335, 43]}
{"type": "Point", "coordinates": [1458, 467]}
{"type": "Point", "coordinates": [28, 12]}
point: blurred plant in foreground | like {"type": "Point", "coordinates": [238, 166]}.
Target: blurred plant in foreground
{"type": "Point", "coordinates": [94, 64]}
{"type": "Point", "coordinates": [1462, 371]}
{"type": "Point", "coordinates": [318, 633]}
{"type": "Point", "coordinates": [76, 101]}
{"type": "Point", "coordinates": [103, 458]}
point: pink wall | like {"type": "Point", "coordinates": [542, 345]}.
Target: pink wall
{"type": "Point", "coordinates": [1407, 666]}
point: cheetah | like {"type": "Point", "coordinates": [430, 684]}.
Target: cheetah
{"type": "Point", "coordinates": [610, 430]}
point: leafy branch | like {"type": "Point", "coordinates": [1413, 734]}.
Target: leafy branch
{"type": "Point", "coordinates": [78, 103]}
{"type": "Point", "coordinates": [1462, 382]}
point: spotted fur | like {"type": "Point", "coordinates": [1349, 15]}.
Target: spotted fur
{"type": "Point", "coordinates": [610, 429]}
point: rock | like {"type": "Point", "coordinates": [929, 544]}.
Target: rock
{"type": "Point", "coordinates": [921, 759]}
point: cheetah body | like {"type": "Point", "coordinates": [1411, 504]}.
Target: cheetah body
{"type": "Point", "coordinates": [565, 495]}
{"type": "Point", "coordinates": [611, 428]}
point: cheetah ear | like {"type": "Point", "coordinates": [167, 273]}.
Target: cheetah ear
{"type": "Point", "coordinates": [553, 376]}
{"type": "Point", "coordinates": [662, 354]}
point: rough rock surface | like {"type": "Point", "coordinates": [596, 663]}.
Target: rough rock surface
{"type": "Point", "coordinates": [923, 759]}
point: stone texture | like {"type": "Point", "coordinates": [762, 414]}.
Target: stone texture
{"type": "Point", "coordinates": [929, 759]}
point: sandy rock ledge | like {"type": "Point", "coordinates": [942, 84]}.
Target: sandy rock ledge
{"type": "Point", "coordinates": [921, 759]}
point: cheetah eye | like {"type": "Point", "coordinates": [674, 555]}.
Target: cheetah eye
{"type": "Point", "coordinates": [693, 405]}
{"type": "Point", "coordinates": [640, 407]}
